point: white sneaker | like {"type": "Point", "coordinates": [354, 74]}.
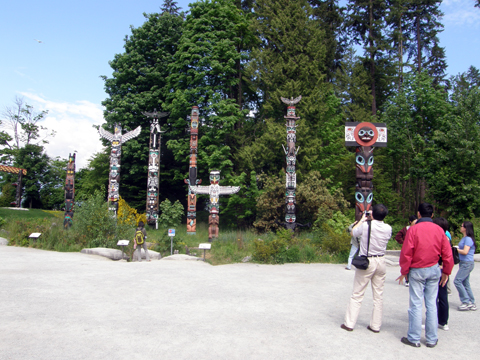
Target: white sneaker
{"type": "Point", "coordinates": [444, 327]}
{"type": "Point", "coordinates": [464, 307]}
{"type": "Point", "coordinates": [472, 307]}
{"type": "Point", "coordinates": [407, 284]}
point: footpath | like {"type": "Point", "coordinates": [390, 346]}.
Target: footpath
{"type": "Point", "coordinates": [80, 306]}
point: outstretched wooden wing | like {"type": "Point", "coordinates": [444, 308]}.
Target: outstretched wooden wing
{"type": "Point", "coordinates": [131, 134]}
{"type": "Point", "coordinates": [196, 189]}
{"type": "Point", "coordinates": [291, 101]}
{"type": "Point", "coordinates": [105, 134]}
{"type": "Point", "coordinates": [228, 190]}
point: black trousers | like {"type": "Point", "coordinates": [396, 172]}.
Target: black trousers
{"type": "Point", "coordinates": [442, 304]}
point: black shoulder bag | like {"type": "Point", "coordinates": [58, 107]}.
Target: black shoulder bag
{"type": "Point", "coordinates": [361, 261]}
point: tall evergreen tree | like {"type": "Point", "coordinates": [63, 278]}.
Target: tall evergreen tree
{"type": "Point", "coordinates": [331, 17]}
{"type": "Point", "coordinates": [138, 85]}
{"type": "Point", "coordinates": [424, 29]}
{"type": "Point", "coordinates": [366, 24]}
{"type": "Point", "coordinates": [290, 61]}
{"type": "Point", "coordinates": [171, 7]}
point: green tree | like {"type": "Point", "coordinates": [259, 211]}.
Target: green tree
{"type": "Point", "coordinates": [138, 85]}
{"type": "Point", "coordinates": [367, 26]}
{"type": "Point", "coordinates": [290, 61]}
{"type": "Point", "coordinates": [331, 18]}
{"type": "Point", "coordinates": [94, 177]}
{"type": "Point", "coordinates": [22, 126]}
{"type": "Point", "coordinates": [36, 162]}
{"type": "Point", "coordinates": [455, 161]}
{"type": "Point", "coordinates": [207, 72]}
{"type": "Point", "coordinates": [412, 116]}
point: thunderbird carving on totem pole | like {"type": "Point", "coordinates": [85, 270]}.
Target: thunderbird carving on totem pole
{"type": "Point", "coordinates": [20, 172]}
{"type": "Point", "coordinates": [192, 172]}
{"type": "Point", "coordinates": [69, 191]}
{"type": "Point", "coordinates": [365, 136]}
{"type": "Point", "coordinates": [214, 190]}
{"type": "Point", "coordinates": [153, 181]}
{"type": "Point", "coordinates": [116, 139]}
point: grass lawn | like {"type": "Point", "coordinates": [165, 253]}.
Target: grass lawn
{"type": "Point", "coordinates": [29, 214]}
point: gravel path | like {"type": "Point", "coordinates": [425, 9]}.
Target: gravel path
{"type": "Point", "coordinates": [78, 306]}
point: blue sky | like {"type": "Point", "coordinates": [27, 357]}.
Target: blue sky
{"type": "Point", "coordinates": [62, 73]}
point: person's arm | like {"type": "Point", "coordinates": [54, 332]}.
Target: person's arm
{"type": "Point", "coordinates": [400, 237]}
{"type": "Point", "coordinates": [465, 250]}
{"type": "Point", "coordinates": [447, 258]}
{"type": "Point", "coordinates": [357, 229]}
{"type": "Point", "coordinates": [406, 255]}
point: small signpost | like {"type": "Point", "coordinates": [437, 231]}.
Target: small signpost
{"type": "Point", "coordinates": [171, 233]}
{"type": "Point", "coordinates": [123, 243]}
{"type": "Point", "coordinates": [204, 247]}
{"type": "Point", "coordinates": [34, 236]}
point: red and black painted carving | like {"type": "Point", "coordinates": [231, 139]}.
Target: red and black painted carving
{"type": "Point", "coordinates": [365, 136]}
{"type": "Point", "coordinates": [69, 191]}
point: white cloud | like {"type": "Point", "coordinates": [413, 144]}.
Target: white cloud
{"type": "Point", "coordinates": [461, 13]}
{"type": "Point", "coordinates": [73, 123]}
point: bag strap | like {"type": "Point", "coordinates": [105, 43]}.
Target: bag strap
{"type": "Point", "coordinates": [369, 223]}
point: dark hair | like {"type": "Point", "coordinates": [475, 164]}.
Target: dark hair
{"type": "Point", "coordinates": [425, 209]}
{"type": "Point", "coordinates": [470, 232]}
{"type": "Point", "coordinates": [141, 224]}
{"type": "Point", "coordinates": [440, 221]}
{"type": "Point", "coordinates": [411, 218]}
{"type": "Point", "coordinates": [379, 212]}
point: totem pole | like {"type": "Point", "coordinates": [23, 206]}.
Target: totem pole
{"type": "Point", "coordinates": [69, 191]}
{"type": "Point", "coordinates": [214, 190]}
{"type": "Point", "coordinates": [365, 136]}
{"type": "Point", "coordinates": [291, 156]}
{"type": "Point", "coordinates": [154, 167]}
{"type": "Point", "coordinates": [116, 139]}
{"type": "Point", "coordinates": [192, 173]}
{"type": "Point", "coordinates": [20, 172]}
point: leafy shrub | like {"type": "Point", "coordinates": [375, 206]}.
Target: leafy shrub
{"type": "Point", "coordinates": [171, 215]}
{"type": "Point", "coordinates": [333, 242]}
{"type": "Point", "coordinates": [2, 221]}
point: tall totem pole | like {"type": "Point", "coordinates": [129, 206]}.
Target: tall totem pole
{"type": "Point", "coordinates": [192, 173]}
{"type": "Point", "coordinates": [116, 139]}
{"type": "Point", "coordinates": [365, 136]}
{"type": "Point", "coordinates": [69, 191]}
{"type": "Point", "coordinates": [291, 157]}
{"type": "Point", "coordinates": [153, 182]}
{"type": "Point", "coordinates": [214, 190]}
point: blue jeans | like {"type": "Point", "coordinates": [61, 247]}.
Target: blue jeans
{"type": "Point", "coordinates": [353, 250]}
{"type": "Point", "coordinates": [462, 282]}
{"type": "Point", "coordinates": [423, 286]}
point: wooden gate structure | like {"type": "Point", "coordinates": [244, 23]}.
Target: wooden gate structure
{"type": "Point", "coordinates": [18, 184]}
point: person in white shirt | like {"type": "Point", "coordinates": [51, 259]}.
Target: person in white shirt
{"type": "Point", "coordinates": [376, 272]}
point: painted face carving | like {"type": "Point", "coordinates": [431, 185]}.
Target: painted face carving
{"type": "Point", "coordinates": [366, 133]}
{"type": "Point", "coordinates": [363, 199]}
{"type": "Point", "coordinates": [364, 158]}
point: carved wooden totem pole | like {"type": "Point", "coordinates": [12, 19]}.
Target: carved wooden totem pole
{"type": "Point", "coordinates": [192, 173]}
{"type": "Point", "coordinates": [153, 181]}
{"type": "Point", "coordinates": [214, 190]}
{"type": "Point", "coordinates": [69, 191]}
{"type": "Point", "coordinates": [365, 136]}
{"type": "Point", "coordinates": [291, 157]}
{"type": "Point", "coordinates": [116, 139]}
{"type": "Point", "coordinates": [20, 172]}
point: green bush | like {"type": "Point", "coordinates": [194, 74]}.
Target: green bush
{"type": "Point", "coordinates": [332, 242]}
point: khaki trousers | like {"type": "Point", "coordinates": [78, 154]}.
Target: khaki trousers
{"type": "Point", "coordinates": [376, 273]}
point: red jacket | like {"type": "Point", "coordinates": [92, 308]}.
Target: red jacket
{"type": "Point", "coordinates": [424, 244]}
